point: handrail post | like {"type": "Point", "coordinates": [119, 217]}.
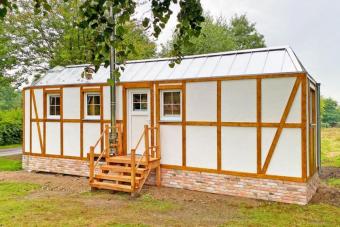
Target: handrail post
{"type": "Point", "coordinates": [120, 140]}
{"type": "Point", "coordinates": [158, 142]}
{"type": "Point", "coordinates": [107, 142]}
{"type": "Point", "coordinates": [146, 139]}
{"type": "Point", "coordinates": [133, 169]}
{"type": "Point", "coordinates": [91, 164]}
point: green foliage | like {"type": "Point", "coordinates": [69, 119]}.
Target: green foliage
{"type": "Point", "coordinates": [335, 182]}
{"type": "Point", "coordinates": [330, 112]}
{"type": "Point", "coordinates": [10, 98]}
{"type": "Point", "coordinates": [7, 164]}
{"type": "Point", "coordinates": [219, 35]}
{"type": "Point", "coordinates": [330, 147]}
{"type": "Point", "coordinates": [10, 127]}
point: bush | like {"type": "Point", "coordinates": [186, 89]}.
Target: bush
{"type": "Point", "coordinates": [10, 127]}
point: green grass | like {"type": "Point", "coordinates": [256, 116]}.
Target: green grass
{"type": "Point", "coordinates": [335, 182]}
{"type": "Point", "coordinates": [10, 146]}
{"type": "Point", "coordinates": [10, 163]}
{"type": "Point", "coordinates": [276, 214]}
{"type": "Point", "coordinates": [330, 147]}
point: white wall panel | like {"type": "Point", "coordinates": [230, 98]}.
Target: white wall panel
{"type": "Point", "coordinates": [91, 134]}
{"type": "Point", "coordinates": [27, 121]}
{"type": "Point", "coordinates": [35, 137]}
{"type": "Point", "coordinates": [171, 144]}
{"type": "Point", "coordinates": [286, 160]}
{"type": "Point", "coordinates": [53, 138]}
{"type": "Point", "coordinates": [294, 115]}
{"type": "Point", "coordinates": [201, 101]}
{"type": "Point", "coordinates": [267, 139]}
{"type": "Point", "coordinates": [275, 95]}
{"type": "Point", "coordinates": [71, 103]}
{"type": "Point", "coordinates": [72, 139]}
{"type": "Point", "coordinates": [39, 101]}
{"type": "Point", "coordinates": [201, 147]}
{"type": "Point", "coordinates": [239, 149]}
{"type": "Point", "coordinates": [238, 99]}
{"type": "Point", "coordinates": [119, 102]}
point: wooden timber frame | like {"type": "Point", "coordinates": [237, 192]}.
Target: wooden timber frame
{"type": "Point", "coordinates": [302, 80]}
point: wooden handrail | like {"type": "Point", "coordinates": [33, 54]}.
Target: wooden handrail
{"type": "Point", "coordinates": [133, 169]}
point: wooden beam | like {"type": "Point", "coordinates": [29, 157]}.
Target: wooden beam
{"type": "Point", "coordinates": [31, 91]}
{"type": "Point", "coordinates": [282, 121]}
{"type": "Point", "coordinates": [81, 122]}
{"type": "Point", "coordinates": [259, 121]}
{"type": "Point", "coordinates": [62, 121]}
{"type": "Point", "coordinates": [101, 116]}
{"type": "Point", "coordinates": [304, 127]}
{"type": "Point", "coordinates": [45, 117]}
{"type": "Point", "coordinates": [124, 120]}
{"type": "Point", "coordinates": [184, 136]}
{"type": "Point", "coordinates": [219, 125]}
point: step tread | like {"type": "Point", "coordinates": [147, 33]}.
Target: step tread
{"type": "Point", "coordinates": [111, 186]}
{"type": "Point", "coordinates": [127, 159]}
{"type": "Point", "coordinates": [122, 169]}
{"type": "Point", "coordinates": [116, 177]}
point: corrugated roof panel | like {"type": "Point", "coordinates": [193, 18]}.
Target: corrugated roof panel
{"type": "Point", "coordinates": [240, 64]}
{"type": "Point", "coordinates": [245, 62]}
{"type": "Point", "coordinates": [288, 65]}
{"type": "Point", "coordinates": [223, 66]}
{"type": "Point", "coordinates": [180, 70]}
{"type": "Point", "coordinates": [194, 68]}
{"type": "Point", "coordinates": [209, 66]}
{"type": "Point", "coordinates": [257, 62]}
{"type": "Point", "coordinates": [274, 61]}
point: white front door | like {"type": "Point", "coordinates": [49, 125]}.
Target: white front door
{"type": "Point", "coordinates": [138, 116]}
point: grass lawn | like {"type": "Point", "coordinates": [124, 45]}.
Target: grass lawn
{"type": "Point", "coordinates": [29, 204]}
{"type": "Point", "coordinates": [330, 147]}
{"type": "Point", "coordinates": [10, 146]}
{"type": "Point", "coordinates": [10, 163]}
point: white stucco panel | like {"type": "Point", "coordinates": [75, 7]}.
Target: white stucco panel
{"type": "Point", "coordinates": [53, 138]}
{"type": "Point", "coordinates": [71, 103]}
{"type": "Point", "coordinates": [72, 139]}
{"type": "Point", "coordinates": [171, 144]}
{"type": "Point", "coordinates": [91, 134]}
{"type": "Point", "coordinates": [267, 139]}
{"type": "Point", "coordinates": [119, 103]}
{"type": "Point", "coordinates": [27, 121]}
{"type": "Point", "coordinates": [239, 149]}
{"type": "Point", "coordinates": [286, 159]}
{"type": "Point", "coordinates": [238, 99]}
{"type": "Point", "coordinates": [275, 95]}
{"type": "Point", "coordinates": [201, 101]}
{"type": "Point", "coordinates": [39, 99]}
{"type": "Point", "coordinates": [35, 137]}
{"type": "Point", "coordinates": [294, 115]}
{"type": "Point", "coordinates": [201, 147]}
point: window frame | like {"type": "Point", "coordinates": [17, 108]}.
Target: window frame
{"type": "Point", "coordinates": [92, 117]}
{"type": "Point", "coordinates": [140, 112]}
{"type": "Point", "coordinates": [170, 118]}
{"type": "Point", "coordinates": [49, 116]}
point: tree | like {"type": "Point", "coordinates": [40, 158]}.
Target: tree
{"type": "Point", "coordinates": [39, 42]}
{"type": "Point", "coordinates": [220, 35]}
{"type": "Point", "coordinates": [330, 113]}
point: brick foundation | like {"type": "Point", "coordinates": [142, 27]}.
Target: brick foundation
{"type": "Point", "coordinates": [266, 189]}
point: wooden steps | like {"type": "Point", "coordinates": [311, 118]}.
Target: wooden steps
{"type": "Point", "coordinates": [121, 169]}
{"type": "Point", "coordinates": [127, 160]}
{"type": "Point", "coordinates": [111, 186]}
{"type": "Point", "coordinates": [121, 178]}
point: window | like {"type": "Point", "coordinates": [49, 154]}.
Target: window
{"type": "Point", "coordinates": [54, 106]}
{"type": "Point", "coordinates": [92, 105]}
{"type": "Point", "coordinates": [171, 105]}
{"type": "Point", "coordinates": [140, 102]}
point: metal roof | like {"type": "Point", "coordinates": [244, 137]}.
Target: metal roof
{"type": "Point", "coordinates": [234, 63]}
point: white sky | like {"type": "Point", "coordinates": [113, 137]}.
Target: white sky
{"type": "Point", "coordinates": [310, 27]}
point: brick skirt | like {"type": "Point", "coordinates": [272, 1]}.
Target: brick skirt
{"type": "Point", "coordinates": [257, 188]}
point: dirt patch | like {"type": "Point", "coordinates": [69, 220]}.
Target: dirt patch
{"type": "Point", "coordinates": [49, 182]}
{"type": "Point", "coordinates": [330, 172]}
{"type": "Point", "coordinates": [328, 195]}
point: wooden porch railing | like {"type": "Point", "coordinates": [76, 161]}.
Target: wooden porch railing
{"type": "Point", "coordinates": [152, 151]}
{"type": "Point", "coordinates": [106, 151]}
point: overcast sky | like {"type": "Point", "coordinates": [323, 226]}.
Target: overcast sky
{"type": "Point", "coordinates": [310, 27]}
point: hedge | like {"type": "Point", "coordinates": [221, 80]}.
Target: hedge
{"type": "Point", "coordinates": [10, 127]}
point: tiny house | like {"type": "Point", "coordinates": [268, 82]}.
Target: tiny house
{"type": "Point", "coordinates": [241, 123]}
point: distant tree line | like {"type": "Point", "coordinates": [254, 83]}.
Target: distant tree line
{"type": "Point", "coordinates": [330, 112]}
